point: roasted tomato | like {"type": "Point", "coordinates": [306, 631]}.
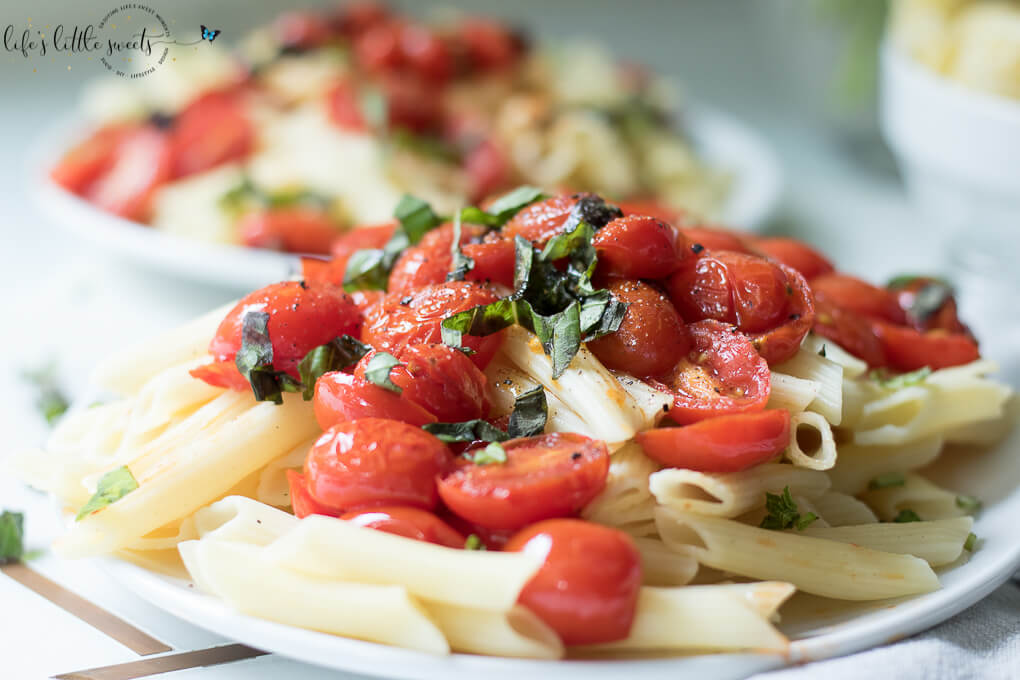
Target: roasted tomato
{"type": "Point", "coordinates": [301, 502]}
{"type": "Point", "coordinates": [340, 397]}
{"type": "Point", "coordinates": [638, 247]}
{"type": "Point", "coordinates": [907, 349]}
{"type": "Point", "coordinates": [721, 375]}
{"type": "Point", "coordinates": [794, 254]}
{"type": "Point", "coordinates": [221, 374]}
{"type": "Point", "coordinates": [374, 461]}
{"type": "Point", "coordinates": [414, 318]}
{"type": "Point", "coordinates": [650, 339]}
{"type": "Point", "coordinates": [540, 221]}
{"type": "Point", "coordinates": [929, 304]}
{"type": "Point", "coordinates": [714, 239]}
{"type": "Point", "coordinates": [587, 587]}
{"type": "Point", "coordinates": [493, 258]}
{"type": "Point", "coordinates": [440, 379]}
{"type": "Point", "coordinates": [551, 475]}
{"type": "Point", "coordinates": [859, 297]}
{"type": "Point", "coordinates": [722, 444]}
{"type": "Point", "coordinates": [782, 342]}
{"type": "Point", "coordinates": [301, 317]}
{"type": "Point", "coordinates": [90, 159]}
{"type": "Point", "coordinates": [425, 53]}
{"type": "Point", "coordinates": [850, 331]}
{"type": "Point", "coordinates": [487, 45]}
{"type": "Point", "coordinates": [651, 207]}
{"type": "Point", "coordinates": [408, 522]}
{"type": "Point", "coordinates": [295, 230]}
{"type": "Point", "coordinates": [143, 163]}
{"type": "Point", "coordinates": [212, 130]}
{"type": "Point", "coordinates": [430, 260]}
{"type": "Point", "coordinates": [488, 168]}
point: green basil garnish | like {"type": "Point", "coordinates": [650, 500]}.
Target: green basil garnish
{"type": "Point", "coordinates": [12, 536]}
{"type": "Point", "coordinates": [112, 486]}
{"type": "Point", "coordinates": [378, 370]}
{"type": "Point", "coordinates": [529, 415]}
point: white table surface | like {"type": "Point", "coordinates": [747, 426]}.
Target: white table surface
{"type": "Point", "coordinates": [63, 299]}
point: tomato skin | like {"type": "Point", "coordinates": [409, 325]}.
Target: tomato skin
{"type": "Point", "coordinates": [440, 379]}
{"type": "Point", "coordinates": [639, 247]}
{"type": "Point", "coordinates": [294, 230]}
{"type": "Point", "coordinates": [488, 169]}
{"type": "Point", "coordinates": [301, 502]}
{"type": "Point", "coordinates": [908, 349]}
{"type": "Point", "coordinates": [344, 108]}
{"type": "Point", "coordinates": [221, 374]}
{"type": "Point", "coordinates": [425, 53]}
{"type": "Point", "coordinates": [541, 479]}
{"type": "Point", "coordinates": [721, 375]}
{"type": "Point", "coordinates": [414, 318]}
{"type": "Point", "coordinates": [143, 163]}
{"type": "Point", "coordinates": [542, 220]}
{"type": "Point", "coordinates": [652, 207]}
{"type": "Point", "coordinates": [375, 461]}
{"type": "Point", "coordinates": [782, 342]}
{"type": "Point", "coordinates": [945, 317]}
{"type": "Point", "coordinates": [212, 130]}
{"type": "Point", "coordinates": [302, 316]}
{"type": "Point", "coordinates": [378, 48]}
{"type": "Point", "coordinates": [850, 331]}
{"type": "Point", "coordinates": [587, 587]}
{"type": "Point", "coordinates": [408, 522]}
{"type": "Point", "coordinates": [715, 239]}
{"type": "Point", "coordinates": [859, 297]}
{"type": "Point", "coordinates": [430, 260]}
{"type": "Point", "coordinates": [88, 160]}
{"type": "Point", "coordinates": [723, 444]}
{"type": "Point", "coordinates": [488, 45]}
{"type": "Point", "coordinates": [651, 336]}
{"type": "Point", "coordinates": [794, 254]}
{"type": "Point", "coordinates": [494, 260]}
{"type": "Point", "coordinates": [340, 397]}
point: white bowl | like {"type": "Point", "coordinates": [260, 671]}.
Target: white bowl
{"type": "Point", "coordinates": [958, 149]}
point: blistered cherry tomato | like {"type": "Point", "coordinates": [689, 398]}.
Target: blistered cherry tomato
{"type": "Point", "coordinates": [859, 297]}
{"type": "Point", "coordinates": [221, 374]}
{"type": "Point", "coordinates": [780, 343]}
{"type": "Point", "coordinates": [652, 207]}
{"type": "Point", "coordinates": [430, 260]}
{"type": "Point", "coordinates": [212, 130]}
{"type": "Point", "coordinates": [540, 221]}
{"type": "Point", "coordinates": [408, 522]}
{"type": "Point", "coordinates": [907, 349]}
{"type": "Point", "coordinates": [493, 258]}
{"type": "Point", "coordinates": [850, 331]}
{"type": "Point", "coordinates": [414, 318]}
{"type": "Point", "coordinates": [488, 45]}
{"type": "Point", "coordinates": [143, 163]}
{"type": "Point", "coordinates": [301, 502]}
{"type": "Point", "coordinates": [440, 379]}
{"type": "Point", "coordinates": [722, 444]}
{"type": "Point", "coordinates": [794, 254]}
{"type": "Point", "coordinates": [340, 397]}
{"type": "Point", "coordinates": [551, 475]}
{"type": "Point", "coordinates": [89, 159]}
{"type": "Point", "coordinates": [929, 305]}
{"type": "Point", "coordinates": [587, 587]}
{"type": "Point", "coordinates": [721, 375]}
{"type": "Point", "coordinates": [302, 316]}
{"type": "Point", "coordinates": [714, 239]}
{"type": "Point", "coordinates": [651, 336]}
{"type": "Point", "coordinates": [374, 461]}
{"type": "Point", "coordinates": [294, 230]}
{"type": "Point", "coordinates": [639, 247]}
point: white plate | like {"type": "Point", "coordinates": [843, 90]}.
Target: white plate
{"type": "Point", "coordinates": [720, 140]}
{"type": "Point", "coordinates": [819, 630]}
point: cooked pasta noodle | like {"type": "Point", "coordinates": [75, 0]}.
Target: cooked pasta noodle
{"type": "Point", "coordinates": [812, 429]}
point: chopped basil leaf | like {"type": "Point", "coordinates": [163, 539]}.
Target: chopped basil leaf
{"type": "Point", "coordinates": [254, 360]}
{"type": "Point", "coordinates": [461, 264]}
{"type": "Point", "coordinates": [887, 480]}
{"type": "Point", "coordinates": [335, 355]}
{"type": "Point", "coordinates": [12, 536]}
{"type": "Point", "coordinates": [429, 146]}
{"type": "Point", "coordinates": [493, 453]}
{"type": "Point", "coordinates": [783, 512]}
{"type": "Point", "coordinates": [902, 280]}
{"type": "Point", "coordinates": [378, 369]}
{"type": "Point", "coordinates": [112, 486]}
{"type": "Point", "coordinates": [929, 300]}
{"type": "Point", "coordinates": [50, 400]}
{"type": "Point", "coordinates": [510, 203]}
{"type": "Point", "coordinates": [474, 543]}
{"type": "Point", "coordinates": [821, 352]}
{"type": "Point", "coordinates": [968, 504]}
{"type": "Point", "coordinates": [907, 515]}
{"type": "Point", "coordinates": [416, 217]}
{"type": "Point", "coordinates": [900, 381]}
{"type": "Point", "coordinates": [971, 542]}
{"type": "Point", "coordinates": [529, 415]}
{"type": "Point", "coordinates": [468, 431]}
{"type": "Point", "coordinates": [479, 321]}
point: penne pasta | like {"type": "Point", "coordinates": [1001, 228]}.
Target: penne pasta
{"type": "Point", "coordinates": [514, 633]}
{"type": "Point", "coordinates": [792, 393]}
{"type": "Point", "coordinates": [840, 509]}
{"type": "Point", "coordinates": [826, 375]}
{"type": "Point", "coordinates": [916, 493]}
{"type": "Point", "coordinates": [661, 566]}
{"type": "Point", "coordinates": [937, 543]}
{"type": "Point", "coordinates": [812, 445]}
{"type": "Point", "coordinates": [859, 465]}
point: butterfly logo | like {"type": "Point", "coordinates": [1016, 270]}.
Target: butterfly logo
{"type": "Point", "coordinates": [209, 34]}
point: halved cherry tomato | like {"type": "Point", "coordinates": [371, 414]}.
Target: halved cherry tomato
{"type": "Point", "coordinates": [411, 103]}
{"type": "Point", "coordinates": [221, 374]}
{"type": "Point", "coordinates": [430, 260]}
{"type": "Point", "coordinates": [778, 344]}
{"type": "Point", "coordinates": [650, 206]}
{"type": "Point", "coordinates": [859, 297]}
{"type": "Point", "coordinates": [143, 163]}
{"type": "Point", "coordinates": [408, 522]}
{"type": "Point", "coordinates": [722, 444]}
{"type": "Point", "coordinates": [340, 397]}
{"type": "Point", "coordinates": [540, 221]}
{"type": "Point", "coordinates": [374, 461]}
{"type": "Point", "coordinates": [551, 475]}
{"type": "Point", "coordinates": [366, 299]}
{"type": "Point", "coordinates": [414, 318]}
{"type": "Point", "coordinates": [794, 254]}
{"type": "Point", "coordinates": [493, 258]}
{"type": "Point", "coordinates": [294, 230]}
{"type": "Point", "coordinates": [943, 316]}
{"type": "Point", "coordinates": [587, 587]}
{"type": "Point", "coordinates": [651, 336]}
{"type": "Point", "coordinates": [89, 159]}
{"type": "Point", "coordinates": [713, 238]}
{"type": "Point", "coordinates": [908, 349]}
{"type": "Point", "coordinates": [639, 247]}
{"type": "Point", "coordinates": [721, 375]}
{"type": "Point", "coordinates": [212, 130]}
{"type": "Point", "coordinates": [302, 316]}
{"type": "Point", "coordinates": [301, 502]}
{"type": "Point", "coordinates": [440, 379]}
{"type": "Point", "coordinates": [850, 331]}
